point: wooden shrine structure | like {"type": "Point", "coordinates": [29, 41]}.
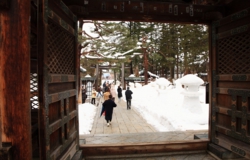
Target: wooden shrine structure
{"type": "Point", "coordinates": [40, 83]}
{"type": "Point", "coordinates": [101, 67]}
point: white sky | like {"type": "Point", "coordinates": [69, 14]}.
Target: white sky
{"type": "Point", "coordinates": [163, 109]}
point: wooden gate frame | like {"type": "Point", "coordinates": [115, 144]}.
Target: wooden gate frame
{"type": "Point", "coordinates": [230, 105]}
{"type": "Point", "coordinates": [14, 55]}
{"type": "Point", "coordinates": [59, 81]}
{"type": "Point", "coordinates": [15, 77]}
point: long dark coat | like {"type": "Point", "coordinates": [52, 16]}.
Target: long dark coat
{"type": "Point", "coordinates": [119, 91]}
{"type": "Point", "coordinates": [128, 94]}
{"type": "Point", "coordinates": [84, 96]}
{"type": "Point", "coordinates": [108, 106]}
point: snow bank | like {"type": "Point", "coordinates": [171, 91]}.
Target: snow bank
{"type": "Point", "coordinates": [86, 115]}
{"type": "Point", "coordinates": [164, 110]}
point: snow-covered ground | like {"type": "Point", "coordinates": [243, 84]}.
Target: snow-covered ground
{"type": "Point", "coordinates": [86, 114]}
{"type": "Point", "coordinates": [162, 108]}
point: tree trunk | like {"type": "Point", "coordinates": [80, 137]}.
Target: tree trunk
{"type": "Point", "coordinates": [136, 71]}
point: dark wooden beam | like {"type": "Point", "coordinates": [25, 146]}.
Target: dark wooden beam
{"type": "Point", "coordinates": [5, 4]}
{"type": "Point", "coordinates": [146, 11]}
{"type": "Point", "coordinates": [143, 148]}
{"type": "Point", "coordinates": [236, 6]}
{"type": "Point", "coordinates": [15, 78]}
{"type": "Point", "coordinates": [223, 2]}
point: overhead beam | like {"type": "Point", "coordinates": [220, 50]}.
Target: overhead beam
{"type": "Point", "coordinates": [146, 11]}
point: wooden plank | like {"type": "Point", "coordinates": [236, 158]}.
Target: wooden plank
{"type": "Point", "coordinates": [42, 53]}
{"type": "Point", "coordinates": [234, 31]}
{"type": "Point", "coordinates": [233, 91]}
{"type": "Point", "coordinates": [223, 120]}
{"type": "Point", "coordinates": [222, 90]}
{"type": "Point", "coordinates": [70, 152]}
{"type": "Point", "coordinates": [144, 11]}
{"type": "Point", "coordinates": [66, 145]}
{"type": "Point", "coordinates": [62, 95]}
{"type": "Point", "coordinates": [61, 22]}
{"type": "Point", "coordinates": [60, 7]}
{"type": "Point", "coordinates": [60, 87]}
{"type": "Point", "coordinates": [210, 76]}
{"type": "Point", "coordinates": [58, 78]}
{"type": "Point", "coordinates": [59, 123]}
{"type": "Point", "coordinates": [235, 146]}
{"type": "Point", "coordinates": [221, 129]}
{"type": "Point", "coordinates": [15, 77]}
{"type": "Point", "coordinates": [233, 77]}
{"type": "Point", "coordinates": [234, 84]}
{"type": "Point", "coordinates": [234, 17]}
{"type": "Point", "coordinates": [223, 110]}
{"type": "Point", "coordinates": [141, 148]}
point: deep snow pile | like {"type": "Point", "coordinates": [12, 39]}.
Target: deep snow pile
{"type": "Point", "coordinates": [162, 107]}
{"type": "Point", "coordinates": [86, 113]}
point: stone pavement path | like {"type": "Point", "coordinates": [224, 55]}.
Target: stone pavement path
{"type": "Point", "coordinates": [129, 127]}
{"type": "Point", "coordinates": [123, 121]}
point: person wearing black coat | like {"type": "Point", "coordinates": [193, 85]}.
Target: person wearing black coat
{"type": "Point", "coordinates": [128, 94]}
{"type": "Point", "coordinates": [108, 106]}
{"type": "Point", "coordinates": [119, 91]}
{"type": "Point", "coordinates": [84, 95]}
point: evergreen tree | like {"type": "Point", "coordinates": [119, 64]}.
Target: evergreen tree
{"type": "Point", "coordinates": [171, 47]}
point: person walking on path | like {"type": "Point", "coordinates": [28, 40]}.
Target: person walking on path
{"type": "Point", "coordinates": [112, 91]}
{"type": "Point", "coordinates": [119, 92]}
{"type": "Point", "coordinates": [93, 96]}
{"type": "Point", "coordinates": [105, 97]}
{"type": "Point", "coordinates": [108, 106]}
{"type": "Point", "coordinates": [99, 91]}
{"type": "Point", "coordinates": [104, 86]}
{"type": "Point", "coordinates": [84, 95]}
{"type": "Point", "coordinates": [106, 94]}
{"type": "Point", "coordinates": [99, 95]}
{"type": "Point", "coordinates": [128, 94]}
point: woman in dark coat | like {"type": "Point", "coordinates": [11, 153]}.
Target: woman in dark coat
{"type": "Point", "coordinates": [84, 96]}
{"type": "Point", "coordinates": [108, 106]}
{"type": "Point", "coordinates": [119, 92]}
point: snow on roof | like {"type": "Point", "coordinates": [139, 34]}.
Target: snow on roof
{"type": "Point", "coordinates": [202, 74]}
{"type": "Point", "coordinates": [106, 55]}
{"type": "Point", "coordinates": [141, 72]}
{"type": "Point", "coordinates": [82, 69]}
{"type": "Point", "coordinates": [162, 82]}
{"type": "Point", "coordinates": [129, 51]}
{"type": "Point", "coordinates": [93, 57]}
{"type": "Point", "coordinates": [153, 75]}
{"type": "Point", "coordinates": [87, 75]}
{"type": "Point", "coordinates": [191, 79]}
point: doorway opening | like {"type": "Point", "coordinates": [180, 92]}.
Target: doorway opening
{"type": "Point", "coordinates": [162, 51]}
